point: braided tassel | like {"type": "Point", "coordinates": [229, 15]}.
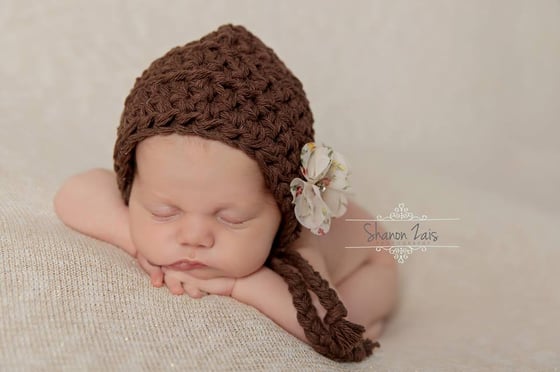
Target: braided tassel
{"type": "Point", "coordinates": [340, 339]}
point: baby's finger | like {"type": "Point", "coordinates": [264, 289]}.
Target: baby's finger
{"type": "Point", "coordinates": [155, 272]}
{"type": "Point", "coordinates": [157, 279]}
{"type": "Point", "coordinates": [191, 285]}
{"type": "Point", "coordinates": [222, 286]}
{"type": "Point", "coordinates": [193, 291]}
{"type": "Point", "coordinates": [174, 285]}
{"type": "Point", "coordinates": [179, 275]}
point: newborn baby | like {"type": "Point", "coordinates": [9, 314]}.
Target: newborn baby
{"type": "Point", "coordinates": [220, 189]}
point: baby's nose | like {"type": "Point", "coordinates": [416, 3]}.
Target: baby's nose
{"type": "Point", "coordinates": [195, 231]}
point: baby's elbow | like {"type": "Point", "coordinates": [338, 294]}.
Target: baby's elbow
{"type": "Point", "coordinates": [66, 202]}
{"type": "Point", "coordinates": [62, 202]}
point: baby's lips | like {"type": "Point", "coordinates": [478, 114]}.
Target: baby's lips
{"type": "Point", "coordinates": [184, 265]}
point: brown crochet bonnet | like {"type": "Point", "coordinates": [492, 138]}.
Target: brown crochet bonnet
{"type": "Point", "coordinates": [230, 87]}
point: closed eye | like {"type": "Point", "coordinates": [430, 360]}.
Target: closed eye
{"type": "Point", "coordinates": [162, 216]}
{"type": "Point", "coordinates": [230, 221]}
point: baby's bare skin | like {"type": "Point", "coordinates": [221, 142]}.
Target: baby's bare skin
{"type": "Point", "coordinates": [365, 280]}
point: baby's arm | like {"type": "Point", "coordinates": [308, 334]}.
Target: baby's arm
{"type": "Point", "coordinates": [267, 291]}
{"type": "Point", "coordinates": [90, 203]}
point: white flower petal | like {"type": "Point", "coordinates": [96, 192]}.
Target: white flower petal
{"type": "Point", "coordinates": [338, 173]}
{"type": "Point", "coordinates": [295, 185]}
{"type": "Point", "coordinates": [318, 164]}
{"type": "Point", "coordinates": [303, 206]}
{"type": "Point", "coordinates": [320, 209]}
{"type": "Point", "coordinates": [323, 195]}
{"type": "Point", "coordinates": [323, 228]}
{"type": "Point", "coordinates": [310, 210]}
{"type": "Point", "coordinates": [336, 201]}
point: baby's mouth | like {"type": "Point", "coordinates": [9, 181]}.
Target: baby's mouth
{"type": "Point", "coordinates": [185, 265]}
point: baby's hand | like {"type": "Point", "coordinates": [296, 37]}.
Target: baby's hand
{"type": "Point", "coordinates": [197, 288]}
{"type": "Point", "coordinates": [156, 276]}
{"type": "Point", "coordinates": [155, 273]}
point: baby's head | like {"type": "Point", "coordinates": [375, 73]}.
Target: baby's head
{"type": "Point", "coordinates": [227, 87]}
{"type": "Point", "coordinates": [209, 143]}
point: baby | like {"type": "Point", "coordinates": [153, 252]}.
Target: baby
{"type": "Point", "coordinates": [220, 189]}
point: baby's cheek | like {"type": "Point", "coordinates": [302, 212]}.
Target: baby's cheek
{"type": "Point", "coordinates": [253, 257]}
{"type": "Point", "coordinates": [135, 229]}
{"type": "Point", "coordinates": [144, 239]}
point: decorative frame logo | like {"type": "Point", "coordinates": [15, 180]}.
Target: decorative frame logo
{"type": "Point", "coordinates": [402, 252]}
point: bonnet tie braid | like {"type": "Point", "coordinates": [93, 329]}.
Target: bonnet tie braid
{"type": "Point", "coordinates": [336, 338]}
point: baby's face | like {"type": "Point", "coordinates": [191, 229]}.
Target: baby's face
{"type": "Point", "coordinates": [200, 200]}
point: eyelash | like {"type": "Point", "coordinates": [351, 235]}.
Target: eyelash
{"type": "Point", "coordinates": [221, 219]}
{"type": "Point", "coordinates": [161, 217]}
{"type": "Point", "coordinates": [230, 222]}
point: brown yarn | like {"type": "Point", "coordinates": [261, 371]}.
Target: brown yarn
{"type": "Point", "coordinates": [336, 337]}
{"type": "Point", "coordinates": [230, 87]}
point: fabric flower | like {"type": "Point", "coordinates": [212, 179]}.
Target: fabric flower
{"type": "Point", "coordinates": [322, 195]}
